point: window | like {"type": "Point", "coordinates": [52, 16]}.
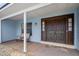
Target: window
{"type": "Point", "coordinates": [29, 28]}
{"type": "Point", "coordinates": [70, 24]}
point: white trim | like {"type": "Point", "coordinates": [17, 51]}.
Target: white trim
{"type": "Point", "coordinates": [6, 7]}
{"type": "Point", "coordinates": [25, 41]}
{"type": "Point", "coordinates": [58, 44]}
{"type": "Point", "coordinates": [26, 10]}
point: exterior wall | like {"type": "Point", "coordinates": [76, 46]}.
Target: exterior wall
{"type": "Point", "coordinates": [18, 27]}
{"type": "Point", "coordinates": [36, 29]}
{"type": "Point", "coordinates": [8, 30]}
{"type": "Point", "coordinates": [77, 29]}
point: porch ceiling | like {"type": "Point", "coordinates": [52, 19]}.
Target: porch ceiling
{"type": "Point", "coordinates": [44, 11]}
{"type": "Point", "coordinates": [53, 8]}
{"type": "Point", "coordinates": [17, 17]}
{"type": "Point", "coordinates": [15, 8]}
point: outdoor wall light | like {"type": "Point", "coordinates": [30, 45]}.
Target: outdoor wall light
{"type": "Point", "coordinates": [35, 23]}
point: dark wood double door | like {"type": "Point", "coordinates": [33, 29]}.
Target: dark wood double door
{"type": "Point", "coordinates": [56, 29]}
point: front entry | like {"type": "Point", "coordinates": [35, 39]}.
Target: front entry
{"type": "Point", "coordinates": [58, 29]}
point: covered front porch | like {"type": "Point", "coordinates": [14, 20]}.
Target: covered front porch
{"type": "Point", "coordinates": [13, 26]}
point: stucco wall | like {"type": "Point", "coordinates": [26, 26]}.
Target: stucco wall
{"type": "Point", "coordinates": [8, 30]}
{"type": "Point", "coordinates": [77, 29]}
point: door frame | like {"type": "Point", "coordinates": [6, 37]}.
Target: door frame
{"type": "Point", "coordinates": [59, 16]}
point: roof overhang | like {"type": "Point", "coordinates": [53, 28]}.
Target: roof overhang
{"type": "Point", "coordinates": [3, 5]}
{"type": "Point", "coordinates": [39, 5]}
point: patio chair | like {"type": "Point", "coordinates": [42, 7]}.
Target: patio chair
{"type": "Point", "coordinates": [21, 37]}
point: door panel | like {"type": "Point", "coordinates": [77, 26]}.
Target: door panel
{"type": "Point", "coordinates": [60, 32]}
{"type": "Point", "coordinates": [56, 31]}
{"type": "Point", "coordinates": [51, 31]}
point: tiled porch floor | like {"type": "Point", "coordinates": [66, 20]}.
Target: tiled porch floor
{"type": "Point", "coordinates": [15, 48]}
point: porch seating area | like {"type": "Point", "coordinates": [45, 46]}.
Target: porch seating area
{"type": "Point", "coordinates": [15, 48]}
{"type": "Point", "coordinates": [21, 37]}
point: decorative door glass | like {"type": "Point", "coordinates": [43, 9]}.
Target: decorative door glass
{"type": "Point", "coordinates": [70, 24]}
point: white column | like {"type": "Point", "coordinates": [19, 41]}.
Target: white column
{"type": "Point", "coordinates": [0, 31]}
{"type": "Point", "coordinates": [25, 41]}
